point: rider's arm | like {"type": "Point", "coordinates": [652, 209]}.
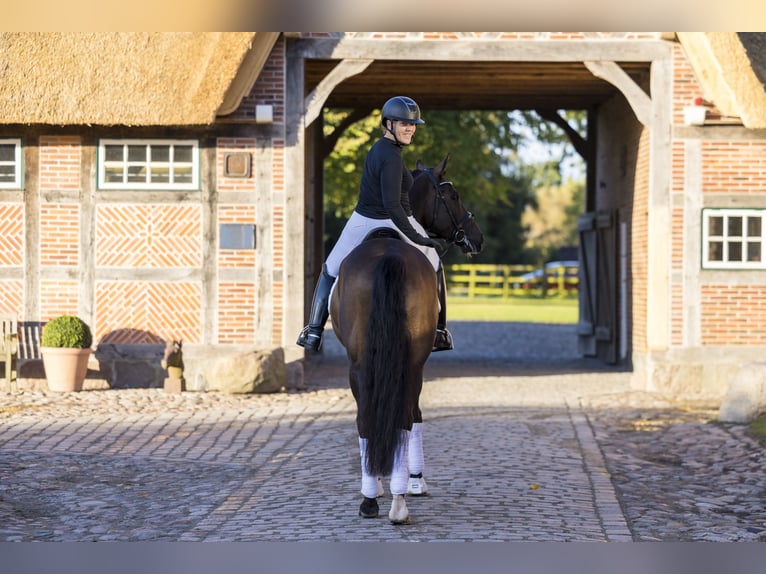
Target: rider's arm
{"type": "Point", "coordinates": [391, 189]}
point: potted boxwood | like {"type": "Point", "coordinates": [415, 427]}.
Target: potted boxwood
{"type": "Point", "coordinates": [65, 347]}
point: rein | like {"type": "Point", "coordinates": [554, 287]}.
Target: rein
{"type": "Point", "coordinates": [458, 236]}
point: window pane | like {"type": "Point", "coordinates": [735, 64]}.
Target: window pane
{"type": "Point", "coordinates": [735, 227]}
{"type": "Point", "coordinates": [113, 174]}
{"type": "Point", "coordinates": [7, 174]}
{"type": "Point", "coordinates": [113, 153]}
{"type": "Point", "coordinates": [753, 226]}
{"type": "Point", "coordinates": [136, 174]}
{"type": "Point", "coordinates": [716, 226]}
{"type": "Point", "coordinates": [160, 174]}
{"type": "Point", "coordinates": [753, 251]}
{"type": "Point", "coordinates": [160, 153]}
{"type": "Point", "coordinates": [735, 251]}
{"type": "Point", "coordinates": [7, 152]}
{"type": "Point", "coordinates": [182, 153]}
{"type": "Point", "coordinates": [715, 251]}
{"type": "Point", "coordinates": [136, 153]}
{"type": "Point", "coordinates": [182, 174]}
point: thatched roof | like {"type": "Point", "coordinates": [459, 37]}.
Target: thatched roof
{"type": "Point", "coordinates": [731, 68]}
{"type": "Point", "coordinates": [131, 78]}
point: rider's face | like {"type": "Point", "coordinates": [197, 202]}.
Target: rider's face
{"type": "Point", "coordinates": [404, 131]}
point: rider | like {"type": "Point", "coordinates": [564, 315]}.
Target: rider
{"type": "Point", "coordinates": [383, 202]}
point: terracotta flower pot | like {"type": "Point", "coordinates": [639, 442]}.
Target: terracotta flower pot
{"type": "Point", "coordinates": [65, 368]}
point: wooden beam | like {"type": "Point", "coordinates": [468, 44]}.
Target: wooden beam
{"type": "Point", "coordinates": [318, 96]}
{"type": "Point", "coordinates": [615, 75]}
{"type": "Point", "coordinates": [484, 50]}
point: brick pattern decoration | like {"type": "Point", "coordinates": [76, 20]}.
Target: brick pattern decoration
{"type": "Point", "coordinates": [60, 161]}
{"type": "Point", "coordinates": [236, 258]}
{"type": "Point", "coordinates": [734, 167]}
{"type": "Point", "coordinates": [58, 297]}
{"type": "Point", "coordinates": [11, 300]}
{"type": "Point", "coordinates": [11, 235]}
{"type": "Point", "coordinates": [733, 314]}
{"type": "Point", "coordinates": [145, 311]}
{"type": "Point", "coordinates": [269, 88]}
{"type": "Point", "coordinates": [149, 236]}
{"type": "Point", "coordinates": [60, 226]}
{"type": "Point", "coordinates": [234, 145]}
{"type": "Point", "coordinates": [236, 312]}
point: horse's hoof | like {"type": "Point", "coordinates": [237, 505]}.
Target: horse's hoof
{"type": "Point", "coordinates": [399, 513]}
{"type": "Point", "coordinates": [369, 508]}
{"type": "Point", "coordinates": [416, 486]}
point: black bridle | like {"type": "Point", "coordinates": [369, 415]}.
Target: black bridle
{"type": "Point", "coordinates": [458, 236]}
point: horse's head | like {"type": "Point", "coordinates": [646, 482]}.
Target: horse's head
{"type": "Point", "coordinates": [437, 206]}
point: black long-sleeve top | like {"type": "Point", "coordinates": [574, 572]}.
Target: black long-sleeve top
{"type": "Point", "coordinates": [385, 186]}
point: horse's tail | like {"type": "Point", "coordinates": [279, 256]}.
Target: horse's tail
{"type": "Point", "coordinates": [383, 393]}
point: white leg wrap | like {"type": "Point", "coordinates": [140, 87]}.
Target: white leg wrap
{"type": "Point", "coordinates": [415, 449]}
{"type": "Point", "coordinates": [370, 484]}
{"type": "Point", "coordinates": [400, 473]}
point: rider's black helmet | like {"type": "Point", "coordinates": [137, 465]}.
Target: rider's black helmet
{"type": "Point", "coordinates": [401, 108]}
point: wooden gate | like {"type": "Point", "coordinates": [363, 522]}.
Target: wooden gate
{"type": "Point", "coordinates": [597, 326]}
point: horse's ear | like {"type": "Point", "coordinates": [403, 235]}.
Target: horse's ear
{"type": "Point", "coordinates": [442, 167]}
{"type": "Point", "coordinates": [419, 165]}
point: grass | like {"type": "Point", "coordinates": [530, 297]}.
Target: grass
{"type": "Point", "coordinates": [532, 309]}
{"type": "Point", "coordinates": [756, 429]}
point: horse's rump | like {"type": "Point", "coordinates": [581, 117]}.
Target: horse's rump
{"type": "Point", "coordinates": [384, 311]}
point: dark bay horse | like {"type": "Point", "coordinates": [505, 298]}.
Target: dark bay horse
{"type": "Point", "coordinates": [384, 310]}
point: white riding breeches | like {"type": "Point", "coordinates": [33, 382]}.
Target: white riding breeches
{"type": "Point", "coordinates": [357, 228]}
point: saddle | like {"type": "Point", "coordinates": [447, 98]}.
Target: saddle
{"type": "Point", "coordinates": [381, 233]}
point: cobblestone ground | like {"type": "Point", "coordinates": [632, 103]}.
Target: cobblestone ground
{"type": "Point", "coordinates": [529, 447]}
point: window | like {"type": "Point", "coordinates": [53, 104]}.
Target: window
{"type": "Point", "coordinates": [733, 238]}
{"type": "Point", "coordinates": [148, 164]}
{"type": "Point", "coordinates": [10, 164]}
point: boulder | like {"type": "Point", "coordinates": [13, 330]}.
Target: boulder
{"type": "Point", "coordinates": [745, 399]}
{"type": "Point", "coordinates": [253, 371]}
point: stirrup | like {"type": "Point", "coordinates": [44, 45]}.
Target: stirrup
{"type": "Point", "coordinates": [310, 338]}
{"type": "Point", "coordinates": [442, 341]}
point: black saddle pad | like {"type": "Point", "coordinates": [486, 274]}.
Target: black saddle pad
{"type": "Point", "coordinates": [382, 232]}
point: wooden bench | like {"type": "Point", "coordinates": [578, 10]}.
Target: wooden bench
{"type": "Point", "coordinates": [19, 342]}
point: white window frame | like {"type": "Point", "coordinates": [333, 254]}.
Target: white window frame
{"type": "Point", "coordinates": [125, 164]}
{"type": "Point", "coordinates": [728, 240]}
{"type": "Point", "coordinates": [16, 183]}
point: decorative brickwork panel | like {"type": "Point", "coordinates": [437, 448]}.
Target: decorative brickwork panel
{"type": "Point", "coordinates": [149, 236]}
{"type": "Point", "coordinates": [145, 312]}
{"type": "Point", "coordinates": [227, 146]}
{"type": "Point", "coordinates": [269, 89]}
{"type": "Point", "coordinates": [236, 313]}
{"type": "Point", "coordinates": [734, 167]}
{"type": "Point", "coordinates": [11, 235]}
{"type": "Point", "coordinates": [58, 297]}
{"type": "Point", "coordinates": [12, 298]}
{"type": "Point", "coordinates": [236, 258]}
{"type": "Point", "coordinates": [733, 314]}
{"type": "Point", "coordinates": [60, 233]}
{"type": "Point", "coordinates": [60, 162]}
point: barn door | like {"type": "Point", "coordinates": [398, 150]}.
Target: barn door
{"type": "Point", "coordinates": [597, 327]}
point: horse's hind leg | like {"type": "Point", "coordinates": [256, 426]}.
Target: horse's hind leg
{"type": "Point", "coordinates": [416, 484]}
{"type": "Point", "coordinates": [399, 513]}
{"type": "Point", "coordinates": [372, 486]}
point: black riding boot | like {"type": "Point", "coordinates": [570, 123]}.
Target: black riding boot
{"type": "Point", "coordinates": [443, 339]}
{"type": "Point", "coordinates": [311, 335]}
